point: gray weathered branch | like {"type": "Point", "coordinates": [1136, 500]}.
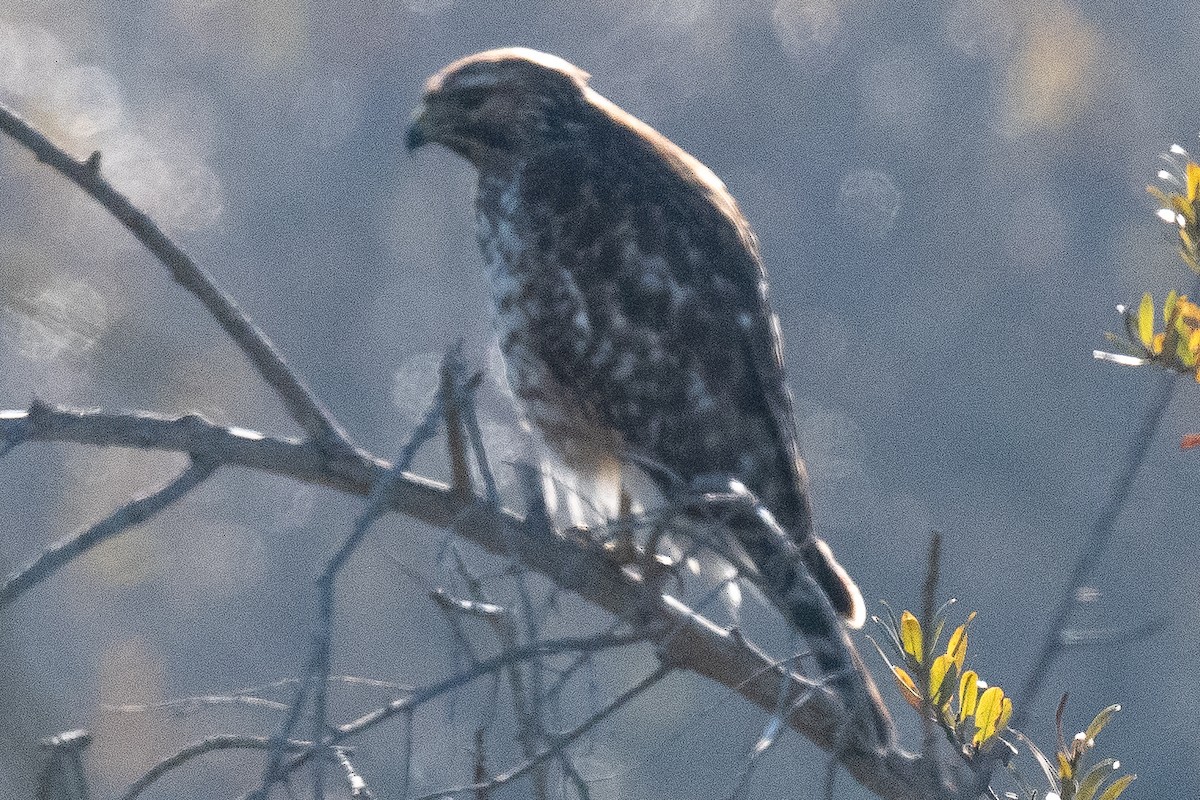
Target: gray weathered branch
{"type": "Point", "coordinates": [684, 638]}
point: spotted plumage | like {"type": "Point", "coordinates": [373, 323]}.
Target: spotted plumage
{"type": "Point", "coordinates": [631, 300]}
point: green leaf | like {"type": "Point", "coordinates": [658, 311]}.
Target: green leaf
{"type": "Point", "coordinates": [1169, 306]}
{"type": "Point", "coordinates": [910, 636]}
{"type": "Point", "coordinates": [1101, 719]}
{"type": "Point", "coordinates": [1146, 320]}
{"type": "Point", "coordinates": [987, 714]}
{"type": "Point", "coordinates": [1094, 777]}
{"type": "Point", "coordinates": [1119, 785]}
{"type": "Point", "coordinates": [968, 694]}
{"type": "Point", "coordinates": [939, 691]}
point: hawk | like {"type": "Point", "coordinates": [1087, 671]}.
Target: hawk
{"type": "Point", "coordinates": [632, 306]}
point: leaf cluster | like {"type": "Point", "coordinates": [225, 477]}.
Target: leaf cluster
{"type": "Point", "coordinates": [1176, 345]}
{"type": "Point", "coordinates": [1073, 774]}
{"type": "Point", "coordinates": [971, 713]}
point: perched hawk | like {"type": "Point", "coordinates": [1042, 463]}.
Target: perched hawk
{"type": "Point", "coordinates": [632, 303]}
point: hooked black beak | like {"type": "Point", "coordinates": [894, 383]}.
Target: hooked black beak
{"type": "Point", "coordinates": [415, 137]}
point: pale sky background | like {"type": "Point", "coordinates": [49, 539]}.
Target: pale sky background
{"type": "Point", "coordinates": [950, 200]}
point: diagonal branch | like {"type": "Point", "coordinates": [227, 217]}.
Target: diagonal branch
{"type": "Point", "coordinates": [685, 639]}
{"type": "Point", "coordinates": [207, 745]}
{"type": "Point", "coordinates": [1092, 552]}
{"type": "Point", "coordinates": [127, 516]}
{"type": "Point", "coordinates": [301, 403]}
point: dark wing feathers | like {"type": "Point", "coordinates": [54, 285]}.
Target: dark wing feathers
{"type": "Point", "coordinates": [655, 236]}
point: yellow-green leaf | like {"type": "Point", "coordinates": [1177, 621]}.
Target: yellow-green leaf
{"type": "Point", "coordinates": [968, 694]}
{"type": "Point", "coordinates": [956, 648]}
{"type": "Point", "coordinates": [1090, 783]}
{"type": "Point", "coordinates": [910, 636]}
{"type": "Point", "coordinates": [937, 678]}
{"type": "Point", "coordinates": [1169, 306]}
{"type": "Point", "coordinates": [1064, 767]}
{"type": "Point", "coordinates": [1192, 178]}
{"type": "Point", "coordinates": [987, 714]}
{"type": "Point", "coordinates": [908, 687]}
{"type": "Point", "coordinates": [1100, 720]}
{"type": "Point", "coordinates": [1146, 320]}
{"type": "Point", "coordinates": [1116, 787]}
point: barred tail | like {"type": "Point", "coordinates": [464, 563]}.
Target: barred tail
{"type": "Point", "coordinates": [799, 575]}
{"type": "Point", "coordinates": [808, 585]}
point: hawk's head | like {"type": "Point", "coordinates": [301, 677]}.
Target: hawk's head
{"type": "Point", "coordinates": [494, 104]}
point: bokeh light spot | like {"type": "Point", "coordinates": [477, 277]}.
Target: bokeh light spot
{"type": "Point", "coordinates": [1052, 75]}
{"type": "Point", "coordinates": [808, 29]}
{"type": "Point", "coordinates": [981, 28]}
{"type": "Point", "coordinates": [88, 101]}
{"type": "Point", "coordinates": [868, 203]}
{"type": "Point", "coordinates": [63, 319]}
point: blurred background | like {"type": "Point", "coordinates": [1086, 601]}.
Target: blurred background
{"type": "Point", "coordinates": [950, 200]}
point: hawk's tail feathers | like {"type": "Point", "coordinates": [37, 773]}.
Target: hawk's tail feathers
{"type": "Point", "coordinates": [841, 589]}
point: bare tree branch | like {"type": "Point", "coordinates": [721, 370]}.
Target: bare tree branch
{"type": "Point", "coordinates": [127, 516]}
{"type": "Point", "coordinates": [315, 680]}
{"type": "Point", "coordinates": [358, 787]}
{"type": "Point", "coordinates": [683, 638]}
{"type": "Point", "coordinates": [207, 745]}
{"type": "Point", "coordinates": [405, 706]}
{"type": "Point", "coordinates": [299, 400]}
{"type": "Point", "coordinates": [560, 742]}
{"type": "Point", "coordinates": [686, 639]}
{"type": "Point", "coordinates": [62, 776]}
{"type": "Point", "coordinates": [1094, 547]}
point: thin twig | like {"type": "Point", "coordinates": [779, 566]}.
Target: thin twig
{"type": "Point", "coordinates": [460, 416]}
{"type": "Point", "coordinates": [406, 752]}
{"type": "Point", "coordinates": [249, 696]}
{"type": "Point", "coordinates": [407, 704]}
{"type": "Point", "coordinates": [580, 783]}
{"type": "Point", "coordinates": [560, 742]}
{"type": "Point", "coordinates": [358, 787]}
{"type": "Point", "coordinates": [460, 472]}
{"type": "Point", "coordinates": [928, 604]}
{"type": "Point", "coordinates": [1092, 551]}
{"type": "Point", "coordinates": [185, 704]}
{"type": "Point", "coordinates": [301, 403]}
{"type": "Point", "coordinates": [135, 512]}
{"type": "Point", "coordinates": [207, 745]}
{"type": "Point", "coordinates": [470, 422]}
{"type": "Point", "coordinates": [316, 670]}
